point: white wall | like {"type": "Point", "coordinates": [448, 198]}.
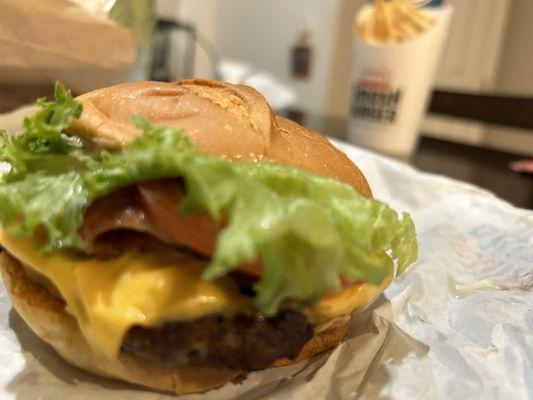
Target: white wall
{"type": "Point", "coordinates": [262, 32]}
{"type": "Point", "coordinates": [512, 75]}
{"type": "Point", "coordinates": [203, 13]}
{"type": "Point", "coordinates": [168, 8]}
{"type": "Point", "coordinates": [516, 65]}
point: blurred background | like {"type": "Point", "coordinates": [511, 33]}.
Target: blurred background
{"type": "Point", "coordinates": [479, 121]}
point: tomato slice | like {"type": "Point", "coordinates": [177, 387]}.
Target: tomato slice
{"type": "Point", "coordinates": [196, 231]}
{"type": "Point", "coordinates": [254, 268]}
{"type": "Point", "coordinates": [345, 283]}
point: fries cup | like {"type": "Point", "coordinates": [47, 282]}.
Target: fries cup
{"type": "Point", "coordinates": [391, 84]}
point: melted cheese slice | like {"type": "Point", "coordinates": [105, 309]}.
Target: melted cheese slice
{"type": "Point", "coordinates": [351, 300]}
{"type": "Point", "coordinates": [108, 297]}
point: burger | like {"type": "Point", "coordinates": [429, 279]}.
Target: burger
{"type": "Point", "coordinates": [178, 235]}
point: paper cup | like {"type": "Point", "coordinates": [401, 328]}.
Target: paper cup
{"type": "Point", "coordinates": [391, 85]}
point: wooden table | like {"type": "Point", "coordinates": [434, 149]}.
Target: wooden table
{"type": "Point", "coordinates": [482, 167]}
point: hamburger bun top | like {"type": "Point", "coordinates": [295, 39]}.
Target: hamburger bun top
{"type": "Point", "coordinates": [230, 121]}
{"type": "Point", "coordinates": [234, 122]}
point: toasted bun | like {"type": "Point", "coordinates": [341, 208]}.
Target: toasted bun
{"type": "Point", "coordinates": [230, 121]}
{"type": "Point", "coordinates": [45, 314]}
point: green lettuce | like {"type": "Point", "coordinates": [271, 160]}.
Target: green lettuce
{"type": "Point", "coordinates": [310, 232]}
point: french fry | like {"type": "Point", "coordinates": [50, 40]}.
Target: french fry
{"type": "Point", "coordinates": [392, 21]}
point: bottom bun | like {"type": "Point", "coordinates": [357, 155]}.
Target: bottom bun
{"type": "Point", "coordinates": [45, 314]}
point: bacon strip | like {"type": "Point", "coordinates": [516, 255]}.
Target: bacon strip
{"type": "Point", "coordinates": [152, 208]}
{"type": "Point", "coordinates": [198, 231]}
{"type": "Point", "coordinates": [121, 210]}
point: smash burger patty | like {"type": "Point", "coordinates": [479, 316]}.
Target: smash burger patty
{"type": "Point", "coordinates": [174, 235]}
{"type": "Point", "coordinates": [245, 342]}
{"type": "Point", "coordinates": [242, 342]}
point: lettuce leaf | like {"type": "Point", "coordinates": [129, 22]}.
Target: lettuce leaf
{"type": "Point", "coordinates": [309, 231]}
{"type": "Point", "coordinates": [42, 144]}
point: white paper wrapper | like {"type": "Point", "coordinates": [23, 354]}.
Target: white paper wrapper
{"type": "Point", "coordinates": [425, 343]}
{"type": "Point", "coordinates": [391, 85]}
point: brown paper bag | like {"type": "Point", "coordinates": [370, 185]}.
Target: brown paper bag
{"type": "Point", "coordinates": [44, 41]}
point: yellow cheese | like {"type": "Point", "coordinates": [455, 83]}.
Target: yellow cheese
{"type": "Point", "coordinates": [351, 300]}
{"type": "Point", "coordinates": [108, 297]}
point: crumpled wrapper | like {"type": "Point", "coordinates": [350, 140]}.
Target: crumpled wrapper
{"type": "Point", "coordinates": [427, 337]}
{"type": "Point", "coordinates": [44, 41]}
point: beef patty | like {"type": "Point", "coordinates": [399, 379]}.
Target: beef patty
{"type": "Point", "coordinates": [245, 342]}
